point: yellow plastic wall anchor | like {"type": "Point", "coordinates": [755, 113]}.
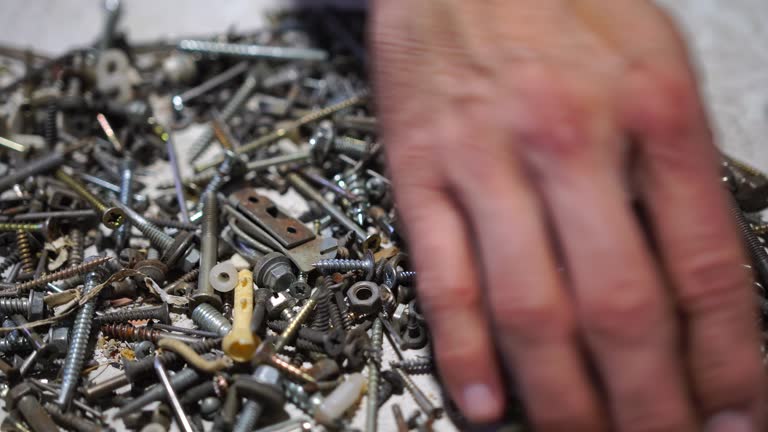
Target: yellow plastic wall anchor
{"type": "Point", "coordinates": [240, 343]}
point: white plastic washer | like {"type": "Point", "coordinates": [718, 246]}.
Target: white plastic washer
{"type": "Point", "coordinates": [223, 277]}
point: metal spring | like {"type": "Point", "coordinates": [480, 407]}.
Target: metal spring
{"type": "Point", "coordinates": [25, 251]}
{"type": "Point", "coordinates": [130, 333]}
{"type": "Point", "coordinates": [63, 274]}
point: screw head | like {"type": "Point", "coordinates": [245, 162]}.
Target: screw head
{"type": "Point", "coordinates": [113, 217]}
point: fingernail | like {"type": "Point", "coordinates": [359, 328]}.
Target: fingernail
{"type": "Point", "coordinates": [480, 404]}
{"type": "Point", "coordinates": [730, 422]}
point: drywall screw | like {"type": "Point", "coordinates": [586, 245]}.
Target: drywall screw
{"type": "Point", "coordinates": [180, 381]}
{"type": "Point", "coordinates": [209, 248]}
{"type": "Point", "coordinates": [159, 313]}
{"type": "Point", "coordinates": [295, 324]}
{"type": "Point", "coordinates": [281, 132]}
{"type": "Point", "coordinates": [419, 366]}
{"type": "Point", "coordinates": [71, 421]}
{"type": "Point", "coordinates": [170, 393]}
{"type": "Point", "coordinates": [252, 51]}
{"type": "Point", "coordinates": [81, 332]}
{"type": "Point", "coordinates": [23, 398]}
{"type": "Point", "coordinates": [233, 105]}
{"type": "Point", "coordinates": [366, 264]}
{"type": "Point", "coordinates": [47, 228]}
{"type": "Point", "coordinates": [419, 397]}
{"type": "Point", "coordinates": [130, 333]}
{"type": "Point", "coordinates": [126, 190]}
{"type": "Point", "coordinates": [25, 251]}
{"type": "Point", "coordinates": [321, 317]}
{"type": "Point", "coordinates": [111, 217]}
{"type": "Point", "coordinates": [369, 241]}
{"type": "Point", "coordinates": [65, 214]}
{"type": "Point", "coordinates": [372, 403]}
{"type": "Point", "coordinates": [180, 100]}
{"type": "Point", "coordinates": [66, 273]}
{"type": "Point", "coordinates": [173, 249]}
{"type": "Point", "coordinates": [208, 318]}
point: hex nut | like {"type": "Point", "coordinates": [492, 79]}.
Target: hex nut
{"type": "Point", "coordinates": [364, 298]}
{"type": "Point", "coordinates": [58, 338]}
{"type": "Point", "coordinates": [191, 260]}
{"type": "Point", "coordinates": [275, 271]}
{"type": "Point", "coordinates": [36, 306]}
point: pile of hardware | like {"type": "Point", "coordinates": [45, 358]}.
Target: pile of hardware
{"type": "Point", "coordinates": [265, 278]}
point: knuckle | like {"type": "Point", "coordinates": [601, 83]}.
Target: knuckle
{"type": "Point", "coordinates": [669, 104]}
{"type": "Point", "coordinates": [721, 385]}
{"type": "Point", "coordinates": [624, 316]}
{"type": "Point", "coordinates": [533, 322]}
{"type": "Point", "coordinates": [712, 279]}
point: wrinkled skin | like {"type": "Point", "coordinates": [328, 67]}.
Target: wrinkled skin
{"type": "Point", "coordinates": [519, 134]}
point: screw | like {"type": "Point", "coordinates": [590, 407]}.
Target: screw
{"type": "Point", "coordinates": [111, 217]}
{"type": "Point", "coordinates": [419, 397]}
{"type": "Point", "coordinates": [238, 99]}
{"type": "Point", "coordinates": [126, 191]}
{"type": "Point", "coordinates": [33, 167]}
{"type": "Point", "coordinates": [420, 366]}
{"type": "Point", "coordinates": [81, 332]}
{"type": "Point", "coordinates": [159, 313]}
{"type": "Point", "coordinates": [252, 51]}
{"type": "Point", "coordinates": [16, 344]}
{"type": "Point", "coordinates": [267, 379]}
{"type": "Point", "coordinates": [208, 318]}
{"type": "Point", "coordinates": [266, 354]}
{"type": "Point", "coordinates": [24, 398]}
{"type": "Point", "coordinates": [170, 392]}
{"type": "Point", "coordinates": [209, 248]}
{"type": "Point", "coordinates": [32, 307]}
{"type": "Point", "coordinates": [260, 298]}
{"type": "Point", "coordinates": [263, 164]}
{"type": "Point", "coordinates": [366, 264]}
{"type": "Point", "coordinates": [48, 228]}
{"type": "Point", "coordinates": [71, 421]}
{"type": "Point", "coordinates": [180, 381]}
{"type": "Point", "coordinates": [128, 332]}
{"type": "Point", "coordinates": [372, 405]}
{"type": "Point", "coordinates": [293, 327]}
{"type": "Point", "coordinates": [276, 134]}
{"type": "Point", "coordinates": [25, 251]}
{"type": "Point", "coordinates": [180, 248]}
{"type": "Point", "coordinates": [178, 101]}
{"type": "Point", "coordinates": [369, 241]}
{"type": "Point", "coordinates": [112, 11]}
{"type": "Point", "coordinates": [92, 263]}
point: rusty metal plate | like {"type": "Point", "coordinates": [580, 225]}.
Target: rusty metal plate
{"type": "Point", "coordinates": [287, 230]}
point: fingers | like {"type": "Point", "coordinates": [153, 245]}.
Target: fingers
{"type": "Point", "coordinates": [535, 330]}
{"type": "Point", "coordinates": [700, 248]}
{"type": "Point", "coordinates": [626, 320]}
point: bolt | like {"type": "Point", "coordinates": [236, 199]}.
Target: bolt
{"type": "Point", "coordinates": [369, 241]}
{"type": "Point", "coordinates": [173, 249]}
{"type": "Point", "coordinates": [372, 405]}
{"type": "Point", "coordinates": [33, 307]}
{"type": "Point", "coordinates": [126, 191]}
{"type": "Point", "coordinates": [209, 248]}
{"type": "Point", "coordinates": [367, 264]}
{"type": "Point", "coordinates": [24, 398]}
{"type": "Point", "coordinates": [208, 318]}
{"type": "Point", "coordinates": [233, 105]}
{"type": "Point", "coordinates": [274, 271]}
{"type": "Point", "coordinates": [81, 332]}
{"type": "Point", "coordinates": [111, 217]}
{"type": "Point", "coordinates": [159, 313]}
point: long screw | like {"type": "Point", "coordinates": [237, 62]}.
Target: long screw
{"type": "Point", "coordinates": [111, 217]}
{"type": "Point", "coordinates": [419, 397]}
{"type": "Point", "coordinates": [47, 227]}
{"type": "Point", "coordinates": [125, 197]}
{"type": "Point", "coordinates": [285, 130]}
{"type": "Point", "coordinates": [180, 100]}
{"type": "Point", "coordinates": [252, 51]}
{"type": "Point", "coordinates": [130, 333]}
{"type": "Point", "coordinates": [159, 313]}
{"type": "Point", "coordinates": [238, 99]}
{"type": "Point", "coordinates": [369, 241]}
{"type": "Point", "coordinates": [81, 332]}
{"type": "Point", "coordinates": [295, 324]}
{"type": "Point", "coordinates": [63, 274]}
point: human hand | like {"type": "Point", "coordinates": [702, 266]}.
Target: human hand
{"type": "Point", "coordinates": [519, 134]}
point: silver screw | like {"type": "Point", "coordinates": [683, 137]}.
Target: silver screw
{"type": "Point", "coordinates": [252, 51]}
{"type": "Point", "coordinates": [208, 318]}
{"type": "Point", "coordinates": [126, 188]}
{"type": "Point", "coordinates": [372, 405]}
{"type": "Point", "coordinates": [209, 247]}
{"type": "Point", "coordinates": [81, 332]}
{"type": "Point", "coordinates": [366, 264]}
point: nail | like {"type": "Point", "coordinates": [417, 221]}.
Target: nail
{"type": "Point", "coordinates": [480, 403]}
{"type": "Point", "coordinates": [730, 422]}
